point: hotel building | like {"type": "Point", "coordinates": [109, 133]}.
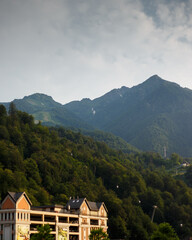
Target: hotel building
{"type": "Point", "coordinates": [19, 219]}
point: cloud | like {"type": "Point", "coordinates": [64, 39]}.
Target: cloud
{"type": "Point", "coordinates": [72, 49]}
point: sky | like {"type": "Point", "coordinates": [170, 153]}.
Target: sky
{"type": "Point", "coordinates": [74, 49]}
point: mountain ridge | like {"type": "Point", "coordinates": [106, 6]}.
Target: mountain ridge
{"type": "Point", "coordinates": [51, 113]}
{"type": "Point", "coordinates": [150, 116]}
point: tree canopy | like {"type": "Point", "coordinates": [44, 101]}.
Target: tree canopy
{"type": "Point", "coordinates": [52, 164]}
{"type": "Point", "coordinates": [164, 232]}
{"type": "Point", "coordinates": [98, 234]}
{"type": "Point", "coordinates": [43, 233]}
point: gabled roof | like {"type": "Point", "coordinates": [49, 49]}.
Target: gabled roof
{"type": "Point", "coordinates": [94, 206]}
{"type": "Point", "coordinates": [75, 203]}
{"type": "Point", "coordinates": [16, 196]}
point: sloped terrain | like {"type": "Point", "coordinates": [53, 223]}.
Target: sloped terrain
{"type": "Point", "coordinates": [151, 116]}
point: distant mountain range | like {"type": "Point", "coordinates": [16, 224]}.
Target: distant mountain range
{"type": "Point", "coordinates": [151, 116]}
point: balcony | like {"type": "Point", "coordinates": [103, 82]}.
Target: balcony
{"type": "Point", "coordinates": [94, 222]}
{"type": "Point", "coordinates": [73, 229]}
{"type": "Point", "coordinates": [33, 227]}
{"type": "Point", "coordinates": [74, 220]}
{"type": "Point", "coordinates": [36, 217]}
{"type": "Point", "coordinates": [63, 219]}
{"type": "Point", "coordinates": [49, 218]}
{"type": "Point", "coordinates": [73, 237]}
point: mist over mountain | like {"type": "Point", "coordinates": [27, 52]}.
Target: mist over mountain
{"type": "Point", "coordinates": [151, 116]}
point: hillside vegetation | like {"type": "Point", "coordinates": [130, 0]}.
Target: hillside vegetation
{"type": "Point", "coordinates": [50, 113]}
{"type": "Point", "coordinates": [150, 116]}
{"type": "Point", "coordinates": [53, 164]}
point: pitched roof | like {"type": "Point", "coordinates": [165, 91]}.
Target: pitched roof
{"type": "Point", "coordinates": [94, 206]}
{"type": "Point", "coordinates": [16, 196]}
{"type": "Point", "coordinates": [75, 203]}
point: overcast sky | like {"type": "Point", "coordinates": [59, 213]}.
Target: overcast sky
{"type": "Point", "coordinates": [74, 49]}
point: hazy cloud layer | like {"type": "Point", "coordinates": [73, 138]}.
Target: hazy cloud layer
{"type": "Point", "coordinates": [71, 49]}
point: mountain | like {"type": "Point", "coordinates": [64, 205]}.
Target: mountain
{"type": "Point", "coordinates": [49, 112]}
{"type": "Point", "coordinates": [150, 116]}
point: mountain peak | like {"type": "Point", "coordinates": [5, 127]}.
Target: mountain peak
{"type": "Point", "coordinates": [41, 99]}
{"type": "Point", "coordinates": [156, 81]}
{"type": "Point", "coordinates": [38, 96]}
{"type": "Point", "coordinates": [35, 102]}
{"type": "Point", "coordinates": [150, 84]}
{"type": "Point", "coordinates": [154, 78]}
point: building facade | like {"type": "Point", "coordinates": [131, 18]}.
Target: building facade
{"type": "Point", "coordinates": [19, 219]}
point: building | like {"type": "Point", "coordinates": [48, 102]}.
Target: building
{"type": "Point", "coordinates": [19, 219]}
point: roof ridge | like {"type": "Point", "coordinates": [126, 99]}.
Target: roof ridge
{"type": "Point", "coordinates": [15, 195]}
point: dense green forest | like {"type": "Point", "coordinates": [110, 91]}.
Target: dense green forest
{"type": "Point", "coordinates": [150, 116]}
{"type": "Point", "coordinates": [52, 164]}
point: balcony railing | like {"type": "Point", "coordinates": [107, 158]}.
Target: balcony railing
{"type": "Point", "coordinates": [73, 229]}
{"type": "Point", "coordinates": [94, 222]}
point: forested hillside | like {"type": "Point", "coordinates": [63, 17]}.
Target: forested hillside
{"type": "Point", "coordinates": [53, 164]}
{"type": "Point", "coordinates": [150, 116]}
{"type": "Point", "coordinates": [49, 112]}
